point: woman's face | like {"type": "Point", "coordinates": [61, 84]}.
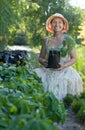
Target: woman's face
{"type": "Point", "coordinates": [57, 25]}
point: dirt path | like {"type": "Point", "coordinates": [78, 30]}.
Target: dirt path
{"type": "Point", "coordinates": [71, 123]}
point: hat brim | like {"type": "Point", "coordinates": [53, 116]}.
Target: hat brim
{"type": "Point", "coordinates": [49, 27]}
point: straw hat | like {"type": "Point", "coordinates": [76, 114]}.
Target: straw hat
{"type": "Point", "coordinates": [57, 15]}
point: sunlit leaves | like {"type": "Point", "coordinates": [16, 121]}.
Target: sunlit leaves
{"type": "Point", "coordinates": [82, 32]}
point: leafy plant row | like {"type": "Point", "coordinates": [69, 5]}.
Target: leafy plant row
{"type": "Point", "coordinates": [23, 103]}
{"type": "Point", "coordinates": [77, 104]}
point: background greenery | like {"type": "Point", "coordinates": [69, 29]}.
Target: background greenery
{"type": "Point", "coordinates": [29, 17]}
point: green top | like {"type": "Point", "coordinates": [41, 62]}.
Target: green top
{"type": "Point", "coordinates": [65, 48]}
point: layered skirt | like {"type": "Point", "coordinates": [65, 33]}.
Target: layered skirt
{"type": "Point", "coordinates": [61, 83]}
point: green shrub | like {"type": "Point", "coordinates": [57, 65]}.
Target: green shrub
{"type": "Point", "coordinates": [82, 95]}
{"type": "Point", "coordinates": [77, 104]}
{"type": "Point", "coordinates": [3, 43]}
{"type": "Point", "coordinates": [68, 100]}
{"type": "Point", "coordinates": [33, 124]}
{"type": "Point", "coordinates": [81, 114]}
{"type": "Point", "coordinates": [23, 101]}
{"type": "Point", "coordinates": [80, 62]}
{"type": "Point", "coordinates": [20, 39]}
{"type": "Point", "coordinates": [53, 108]}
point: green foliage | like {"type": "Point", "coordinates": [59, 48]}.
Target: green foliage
{"type": "Point", "coordinates": [23, 101]}
{"type": "Point", "coordinates": [68, 100]}
{"type": "Point", "coordinates": [31, 16]}
{"type": "Point", "coordinates": [77, 105]}
{"type": "Point", "coordinates": [81, 114]}
{"type": "Point", "coordinates": [68, 45]}
{"type": "Point", "coordinates": [82, 95]}
{"type": "Point", "coordinates": [34, 63]}
{"type": "Point", "coordinates": [7, 15]}
{"type": "Point", "coordinates": [74, 14]}
{"type": "Point", "coordinates": [53, 107]}
{"type": "Point", "coordinates": [40, 125]}
{"type": "Point", "coordinates": [80, 63]}
{"type": "Point", "coordinates": [32, 124]}
{"type": "Point", "coordinates": [44, 12]}
{"type": "Point", "coordinates": [3, 43]}
{"type": "Point", "coordinates": [20, 39]}
{"type": "Point", "coordinates": [81, 32]}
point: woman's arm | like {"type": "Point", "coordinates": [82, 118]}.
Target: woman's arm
{"type": "Point", "coordinates": [72, 58]}
{"type": "Point", "coordinates": [71, 61]}
{"type": "Point", "coordinates": [42, 55]}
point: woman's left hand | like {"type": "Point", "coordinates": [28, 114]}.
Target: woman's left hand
{"type": "Point", "coordinates": [62, 66]}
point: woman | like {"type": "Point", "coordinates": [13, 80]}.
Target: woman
{"type": "Point", "coordinates": [64, 79]}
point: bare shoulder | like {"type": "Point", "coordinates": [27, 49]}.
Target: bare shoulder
{"type": "Point", "coordinates": [44, 41]}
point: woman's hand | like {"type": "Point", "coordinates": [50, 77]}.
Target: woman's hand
{"type": "Point", "coordinates": [62, 66]}
{"type": "Point", "coordinates": [44, 62]}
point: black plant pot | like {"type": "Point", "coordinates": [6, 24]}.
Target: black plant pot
{"type": "Point", "coordinates": [53, 59]}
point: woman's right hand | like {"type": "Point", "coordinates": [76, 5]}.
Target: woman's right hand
{"type": "Point", "coordinates": [44, 62]}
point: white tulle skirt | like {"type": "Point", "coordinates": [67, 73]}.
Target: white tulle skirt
{"type": "Point", "coordinates": [61, 83]}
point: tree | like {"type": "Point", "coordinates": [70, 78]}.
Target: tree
{"type": "Point", "coordinates": [38, 13]}
{"type": "Point", "coordinates": [75, 18]}
{"type": "Point", "coordinates": [30, 17]}
{"type": "Point", "coordinates": [10, 15]}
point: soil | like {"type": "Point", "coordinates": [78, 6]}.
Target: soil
{"type": "Point", "coordinates": [71, 122]}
